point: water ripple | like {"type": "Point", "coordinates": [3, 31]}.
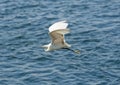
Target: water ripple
{"type": "Point", "coordinates": [94, 31]}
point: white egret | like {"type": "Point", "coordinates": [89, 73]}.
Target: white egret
{"type": "Point", "coordinates": [57, 32]}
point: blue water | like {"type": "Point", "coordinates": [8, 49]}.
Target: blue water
{"type": "Point", "coordinates": [95, 31]}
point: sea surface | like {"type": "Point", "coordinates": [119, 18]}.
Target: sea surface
{"type": "Point", "coordinates": [95, 31]}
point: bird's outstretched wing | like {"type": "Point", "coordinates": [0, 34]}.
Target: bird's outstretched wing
{"type": "Point", "coordinates": [58, 26]}
{"type": "Point", "coordinates": [58, 36]}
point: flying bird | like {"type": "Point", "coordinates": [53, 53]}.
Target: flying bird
{"type": "Point", "coordinates": [57, 32]}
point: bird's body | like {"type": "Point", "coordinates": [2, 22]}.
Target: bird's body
{"type": "Point", "coordinates": [57, 32]}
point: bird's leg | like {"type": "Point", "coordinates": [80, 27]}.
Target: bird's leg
{"type": "Point", "coordinates": [75, 51]}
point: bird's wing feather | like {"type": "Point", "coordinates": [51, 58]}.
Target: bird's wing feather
{"type": "Point", "coordinates": [58, 25]}
{"type": "Point", "coordinates": [57, 38]}
{"type": "Point", "coordinates": [62, 31]}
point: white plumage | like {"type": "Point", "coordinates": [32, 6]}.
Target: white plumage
{"type": "Point", "coordinates": [58, 26]}
{"type": "Point", "coordinates": [57, 31]}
